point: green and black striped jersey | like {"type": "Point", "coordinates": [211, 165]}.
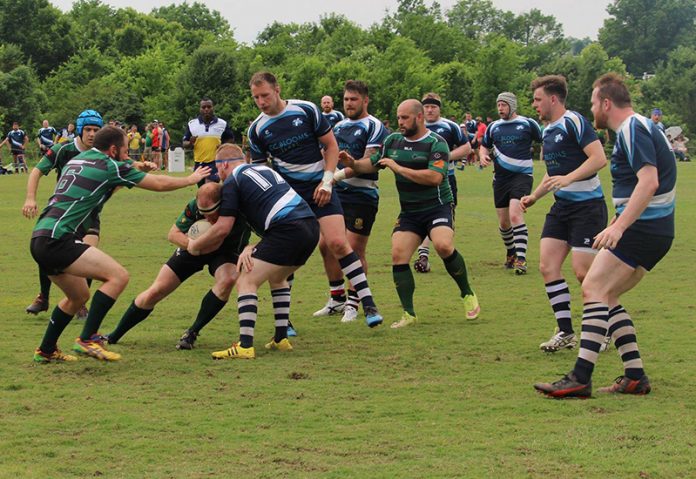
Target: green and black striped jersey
{"type": "Point", "coordinates": [429, 152]}
{"type": "Point", "coordinates": [57, 157]}
{"type": "Point", "coordinates": [86, 182]}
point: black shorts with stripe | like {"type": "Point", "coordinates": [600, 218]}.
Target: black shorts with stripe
{"type": "Point", "coordinates": [422, 222]}
{"type": "Point", "coordinates": [54, 255]}
{"type": "Point", "coordinates": [288, 244]}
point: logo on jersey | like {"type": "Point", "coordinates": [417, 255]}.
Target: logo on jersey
{"type": "Point", "coordinates": [268, 133]}
{"type": "Point", "coordinates": [520, 127]}
{"type": "Point", "coordinates": [440, 130]}
{"type": "Point", "coordinates": [558, 138]}
{"type": "Point", "coordinates": [297, 122]}
{"type": "Point", "coordinates": [586, 241]}
{"type": "Point", "coordinates": [357, 133]}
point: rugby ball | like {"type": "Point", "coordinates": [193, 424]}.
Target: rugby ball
{"type": "Point", "coordinates": [198, 228]}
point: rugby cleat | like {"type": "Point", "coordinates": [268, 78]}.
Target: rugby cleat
{"type": "Point", "coordinates": [510, 261]}
{"type": "Point", "coordinates": [406, 320]}
{"type": "Point", "coordinates": [566, 387]}
{"type": "Point", "coordinates": [422, 265]}
{"type": "Point", "coordinates": [55, 356]}
{"type": "Point", "coordinates": [624, 385]}
{"type": "Point", "coordinates": [350, 314]}
{"type": "Point", "coordinates": [37, 306]}
{"type": "Point", "coordinates": [559, 340]}
{"type": "Point", "coordinates": [282, 345]}
{"type": "Point", "coordinates": [94, 348]}
{"type": "Point", "coordinates": [187, 339]}
{"type": "Point", "coordinates": [372, 317]}
{"type": "Point", "coordinates": [471, 306]}
{"type": "Point", "coordinates": [332, 307]}
{"type": "Point", "coordinates": [235, 352]}
{"type": "Point", "coordinates": [520, 266]}
{"type": "Point", "coordinates": [292, 332]}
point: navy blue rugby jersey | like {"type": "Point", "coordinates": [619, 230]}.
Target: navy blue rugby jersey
{"type": "Point", "coordinates": [355, 136]}
{"type": "Point", "coordinates": [563, 143]}
{"type": "Point", "coordinates": [512, 143]}
{"type": "Point", "coordinates": [263, 197]}
{"type": "Point", "coordinates": [640, 142]}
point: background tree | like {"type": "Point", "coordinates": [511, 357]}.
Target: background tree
{"type": "Point", "coordinates": [643, 32]}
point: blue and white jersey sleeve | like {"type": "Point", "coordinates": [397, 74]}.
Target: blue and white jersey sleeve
{"type": "Point", "coordinates": [639, 143]}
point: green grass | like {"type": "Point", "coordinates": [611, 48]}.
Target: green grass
{"type": "Point", "coordinates": [446, 398]}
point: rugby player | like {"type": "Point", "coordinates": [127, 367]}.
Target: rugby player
{"type": "Point", "coordinates": [222, 265]}
{"type": "Point", "coordinates": [55, 158]}
{"type": "Point", "coordinates": [573, 155]}
{"type": "Point", "coordinates": [46, 137]}
{"type": "Point", "coordinates": [289, 233]}
{"type": "Point", "coordinates": [87, 182]}
{"type": "Point", "coordinates": [644, 174]}
{"type": "Point", "coordinates": [509, 140]}
{"type": "Point", "coordinates": [459, 149]}
{"type": "Point", "coordinates": [290, 132]}
{"type": "Point", "coordinates": [331, 115]}
{"type": "Point", "coordinates": [16, 141]}
{"type": "Point", "coordinates": [419, 159]}
{"type": "Point", "coordinates": [360, 135]}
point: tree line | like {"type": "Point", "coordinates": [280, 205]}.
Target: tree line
{"type": "Point", "coordinates": [135, 67]}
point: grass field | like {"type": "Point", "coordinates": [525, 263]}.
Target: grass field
{"type": "Point", "coordinates": [447, 398]}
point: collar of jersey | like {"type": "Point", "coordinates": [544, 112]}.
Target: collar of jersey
{"type": "Point", "coordinates": [214, 120]}
{"type": "Point", "coordinates": [419, 139]}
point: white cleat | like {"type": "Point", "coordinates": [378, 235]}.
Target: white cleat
{"type": "Point", "coordinates": [350, 314]}
{"type": "Point", "coordinates": [332, 307]}
{"type": "Point", "coordinates": [558, 341]}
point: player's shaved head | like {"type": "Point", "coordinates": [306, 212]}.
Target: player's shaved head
{"type": "Point", "coordinates": [411, 106]}
{"type": "Point", "coordinates": [208, 194]}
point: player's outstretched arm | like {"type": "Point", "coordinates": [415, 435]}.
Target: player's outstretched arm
{"type": "Point", "coordinates": [363, 165]}
{"type": "Point", "coordinates": [169, 183]}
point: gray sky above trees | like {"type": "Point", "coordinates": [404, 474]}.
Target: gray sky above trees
{"type": "Point", "coordinates": [579, 18]}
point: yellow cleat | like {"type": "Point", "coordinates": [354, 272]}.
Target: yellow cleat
{"type": "Point", "coordinates": [406, 320]}
{"type": "Point", "coordinates": [471, 305]}
{"type": "Point", "coordinates": [94, 348]}
{"type": "Point", "coordinates": [55, 356]}
{"type": "Point", "coordinates": [235, 352]}
{"type": "Point", "coordinates": [282, 345]}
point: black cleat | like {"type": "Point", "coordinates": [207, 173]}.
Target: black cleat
{"type": "Point", "coordinates": [566, 387]}
{"type": "Point", "coordinates": [187, 339]}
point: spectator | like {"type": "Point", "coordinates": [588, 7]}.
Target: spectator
{"type": "Point", "coordinates": [67, 134]}
{"type": "Point", "coordinates": [679, 147]}
{"type": "Point", "coordinates": [156, 144]}
{"type": "Point", "coordinates": [134, 138]}
{"type": "Point", "coordinates": [147, 142]}
{"type": "Point", "coordinates": [165, 146]}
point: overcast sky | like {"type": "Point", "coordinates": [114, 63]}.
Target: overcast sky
{"type": "Point", "coordinates": [579, 18]}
